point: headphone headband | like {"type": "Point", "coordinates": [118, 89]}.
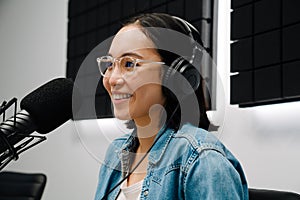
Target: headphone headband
{"type": "Point", "coordinates": [183, 66]}
{"type": "Point", "coordinates": [186, 26]}
{"type": "Point", "coordinates": [190, 29]}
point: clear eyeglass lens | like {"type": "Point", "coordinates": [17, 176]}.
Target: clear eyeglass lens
{"type": "Point", "coordinates": [127, 64]}
{"type": "Point", "coordinates": [107, 64]}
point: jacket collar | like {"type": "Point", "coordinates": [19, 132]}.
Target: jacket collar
{"type": "Point", "coordinates": [162, 139]}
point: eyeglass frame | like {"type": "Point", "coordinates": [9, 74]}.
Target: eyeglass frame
{"type": "Point", "coordinates": [136, 61]}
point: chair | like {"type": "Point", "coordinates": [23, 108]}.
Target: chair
{"type": "Point", "coordinates": [264, 194]}
{"type": "Point", "coordinates": [21, 186]}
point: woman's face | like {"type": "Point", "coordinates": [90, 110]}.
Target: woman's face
{"type": "Point", "coordinates": [134, 94]}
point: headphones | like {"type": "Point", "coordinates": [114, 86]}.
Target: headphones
{"type": "Point", "coordinates": [182, 68]}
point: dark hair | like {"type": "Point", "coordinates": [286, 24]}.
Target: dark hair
{"type": "Point", "coordinates": [162, 20]}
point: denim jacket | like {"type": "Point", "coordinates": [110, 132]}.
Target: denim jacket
{"type": "Point", "coordinates": [189, 164]}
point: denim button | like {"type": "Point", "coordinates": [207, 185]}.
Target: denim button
{"type": "Point", "coordinates": [146, 192]}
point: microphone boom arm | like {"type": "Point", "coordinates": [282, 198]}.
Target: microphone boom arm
{"type": "Point", "coordinates": [26, 142]}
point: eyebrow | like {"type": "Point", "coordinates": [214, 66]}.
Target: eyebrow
{"type": "Point", "coordinates": [129, 54]}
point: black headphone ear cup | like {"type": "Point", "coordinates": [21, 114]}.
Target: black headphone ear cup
{"type": "Point", "coordinates": [181, 69]}
{"type": "Point", "coordinates": [171, 71]}
{"type": "Point", "coordinates": [192, 75]}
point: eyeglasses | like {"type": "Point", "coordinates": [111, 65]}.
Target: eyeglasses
{"type": "Point", "coordinates": [127, 64]}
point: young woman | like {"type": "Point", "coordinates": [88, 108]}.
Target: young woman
{"type": "Point", "coordinates": [168, 155]}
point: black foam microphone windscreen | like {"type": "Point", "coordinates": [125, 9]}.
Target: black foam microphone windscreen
{"type": "Point", "coordinates": [50, 105]}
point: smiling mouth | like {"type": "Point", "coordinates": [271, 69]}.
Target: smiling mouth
{"type": "Point", "coordinates": [121, 96]}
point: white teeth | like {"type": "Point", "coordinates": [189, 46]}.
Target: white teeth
{"type": "Point", "coordinates": [121, 96]}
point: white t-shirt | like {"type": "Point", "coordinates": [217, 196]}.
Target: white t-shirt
{"type": "Point", "coordinates": [132, 192]}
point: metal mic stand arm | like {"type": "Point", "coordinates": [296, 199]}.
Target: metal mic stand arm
{"type": "Point", "coordinates": [27, 141]}
{"type": "Point", "coordinates": [12, 153]}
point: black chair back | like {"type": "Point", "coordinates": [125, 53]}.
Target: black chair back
{"type": "Point", "coordinates": [263, 194]}
{"type": "Point", "coordinates": [21, 186]}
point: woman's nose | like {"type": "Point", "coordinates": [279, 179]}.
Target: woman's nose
{"type": "Point", "coordinates": [116, 77]}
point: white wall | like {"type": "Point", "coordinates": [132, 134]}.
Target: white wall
{"type": "Point", "coordinates": [33, 38]}
{"type": "Point", "coordinates": [266, 138]}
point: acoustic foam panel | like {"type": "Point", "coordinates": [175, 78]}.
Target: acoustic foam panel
{"type": "Point", "coordinates": [267, 83]}
{"type": "Point", "coordinates": [241, 55]}
{"type": "Point", "coordinates": [241, 88]}
{"type": "Point", "coordinates": [267, 49]}
{"type": "Point", "coordinates": [291, 43]}
{"type": "Point", "coordinates": [291, 80]}
{"type": "Point", "coordinates": [241, 22]}
{"type": "Point", "coordinates": [266, 15]}
{"type": "Point", "coordinates": [290, 11]}
{"type": "Point", "coordinates": [238, 3]}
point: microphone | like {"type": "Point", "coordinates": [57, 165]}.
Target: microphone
{"type": "Point", "coordinates": [43, 110]}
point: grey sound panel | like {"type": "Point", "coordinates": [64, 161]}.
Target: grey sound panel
{"type": "Point", "coordinates": [265, 55]}
{"type": "Point", "coordinates": [242, 55]}
{"type": "Point", "coordinates": [242, 88]}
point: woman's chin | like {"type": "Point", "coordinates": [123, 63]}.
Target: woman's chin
{"type": "Point", "coordinates": [122, 115]}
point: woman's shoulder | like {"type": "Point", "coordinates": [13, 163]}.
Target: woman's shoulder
{"type": "Point", "coordinates": [196, 141]}
{"type": "Point", "coordinates": [198, 138]}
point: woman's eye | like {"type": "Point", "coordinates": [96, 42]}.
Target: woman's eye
{"type": "Point", "coordinates": [129, 64]}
